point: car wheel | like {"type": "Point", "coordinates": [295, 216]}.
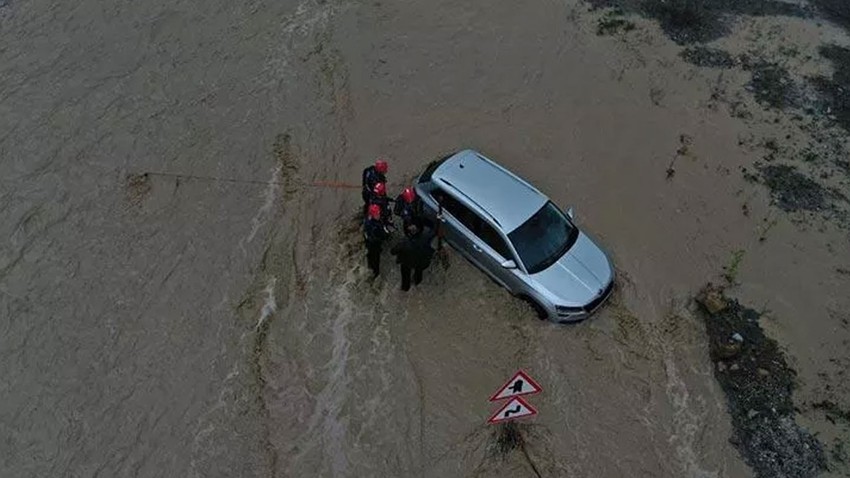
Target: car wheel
{"type": "Point", "coordinates": [536, 307]}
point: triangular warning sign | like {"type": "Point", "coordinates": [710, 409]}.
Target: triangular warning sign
{"type": "Point", "coordinates": [519, 384]}
{"type": "Point", "coordinates": [516, 408]}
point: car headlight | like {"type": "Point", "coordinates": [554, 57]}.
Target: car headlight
{"type": "Point", "coordinates": [564, 310]}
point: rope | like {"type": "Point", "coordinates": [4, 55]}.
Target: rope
{"type": "Point", "coordinates": [316, 184]}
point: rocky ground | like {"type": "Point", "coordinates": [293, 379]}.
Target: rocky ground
{"type": "Point", "coordinates": [758, 382]}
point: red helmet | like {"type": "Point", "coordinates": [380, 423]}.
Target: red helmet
{"type": "Point", "coordinates": [380, 189]}
{"type": "Point", "coordinates": [381, 166]}
{"type": "Point", "coordinates": [409, 194]}
{"type": "Point", "coordinates": [374, 211]}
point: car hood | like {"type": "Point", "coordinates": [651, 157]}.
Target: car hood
{"type": "Point", "coordinates": [578, 276]}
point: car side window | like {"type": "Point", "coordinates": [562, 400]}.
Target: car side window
{"type": "Point", "coordinates": [494, 240]}
{"type": "Point", "coordinates": [475, 224]}
{"type": "Point", "coordinates": [459, 211]}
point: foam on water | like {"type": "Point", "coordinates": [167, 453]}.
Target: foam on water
{"type": "Point", "coordinates": [325, 427]}
{"type": "Point", "coordinates": [259, 219]}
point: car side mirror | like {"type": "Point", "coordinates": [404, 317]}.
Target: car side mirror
{"type": "Point", "coordinates": [509, 264]}
{"type": "Point", "coordinates": [570, 212]}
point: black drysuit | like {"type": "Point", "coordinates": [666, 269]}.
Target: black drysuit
{"type": "Point", "coordinates": [375, 234]}
{"type": "Point", "coordinates": [384, 203]}
{"type": "Point", "coordinates": [410, 213]}
{"type": "Point", "coordinates": [414, 254]}
{"type": "Point", "coordinates": [371, 177]}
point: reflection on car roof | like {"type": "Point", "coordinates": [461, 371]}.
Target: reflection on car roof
{"type": "Point", "coordinates": [506, 198]}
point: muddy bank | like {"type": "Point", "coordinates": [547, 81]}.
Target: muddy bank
{"type": "Point", "coordinates": [698, 21]}
{"type": "Point", "coordinates": [708, 57]}
{"type": "Point", "coordinates": [758, 383]}
{"type": "Point", "coordinates": [771, 69]}
{"type": "Point", "coordinates": [835, 90]}
{"type": "Point", "coordinates": [793, 191]}
{"type": "Point", "coordinates": [695, 23]}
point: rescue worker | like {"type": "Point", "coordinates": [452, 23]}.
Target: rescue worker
{"type": "Point", "coordinates": [409, 208]}
{"type": "Point", "coordinates": [379, 197]}
{"type": "Point", "coordinates": [375, 233]}
{"type": "Point", "coordinates": [413, 254]}
{"type": "Point", "coordinates": [371, 176]}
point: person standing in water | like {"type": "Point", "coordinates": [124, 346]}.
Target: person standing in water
{"type": "Point", "coordinates": [413, 254]}
{"type": "Point", "coordinates": [375, 233]}
{"type": "Point", "coordinates": [373, 175]}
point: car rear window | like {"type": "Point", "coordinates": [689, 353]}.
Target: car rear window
{"type": "Point", "coordinates": [432, 166]}
{"type": "Point", "coordinates": [459, 211]}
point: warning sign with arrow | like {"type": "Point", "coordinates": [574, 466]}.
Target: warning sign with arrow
{"type": "Point", "coordinates": [515, 408]}
{"type": "Point", "coordinates": [519, 384]}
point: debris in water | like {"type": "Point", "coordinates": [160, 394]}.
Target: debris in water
{"type": "Point", "coordinates": [685, 142]}
{"type": "Point", "coordinates": [684, 150]}
{"type": "Point", "coordinates": [508, 438]}
{"type": "Point", "coordinates": [288, 163]}
{"type": "Point", "coordinates": [766, 227]}
{"type": "Point", "coordinates": [612, 23]}
{"type": "Point", "coordinates": [731, 270]}
{"type": "Point", "coordinates": [729, 350]}
{"type": "Point", "coordinates": [711, 297]}
{"type": "Point", "coordinates": [137, 187]}
{"type": "Point", "coordinates": [748, 176]}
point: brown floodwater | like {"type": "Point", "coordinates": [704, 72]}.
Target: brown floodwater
{"type": "Point", "coordinates": [158, 325]}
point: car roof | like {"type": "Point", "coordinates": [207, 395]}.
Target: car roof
{"type": "Point", "coordinates": [504, 197]}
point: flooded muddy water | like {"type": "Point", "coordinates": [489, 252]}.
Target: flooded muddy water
{"type": "Point", "coordinates": [183, 287]}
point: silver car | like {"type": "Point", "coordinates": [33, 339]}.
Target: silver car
{"type": "Point", "coordinates": [516, 235]}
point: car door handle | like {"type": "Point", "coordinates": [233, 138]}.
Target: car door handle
{"type": "Point", "coordinates": [476, 248]}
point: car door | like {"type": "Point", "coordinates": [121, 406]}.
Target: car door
{"type": "Point", "coordinates": [457, 224]}
{"type": "Point", "coordinates": [492, 251]}
{"type": "Point", "coordinates": [478, 241]}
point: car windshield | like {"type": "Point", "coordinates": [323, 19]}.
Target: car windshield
{"type": "Point", "coordinates": [544, 238]}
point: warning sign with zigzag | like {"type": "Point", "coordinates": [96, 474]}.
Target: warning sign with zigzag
{"type": "Point", "coordinates": [516, 408]}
